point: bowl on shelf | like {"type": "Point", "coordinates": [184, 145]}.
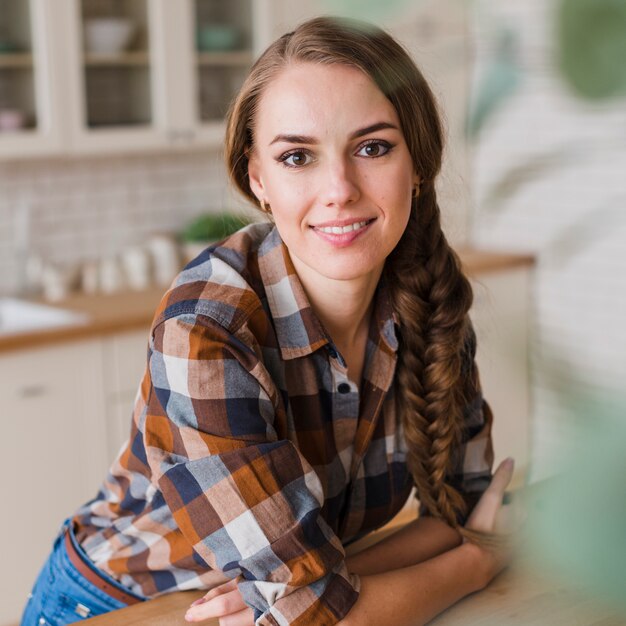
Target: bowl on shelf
{"type": "Point", "coordinates": [108, 35]}
{"type": "Point", "coordinates": [217, 37]}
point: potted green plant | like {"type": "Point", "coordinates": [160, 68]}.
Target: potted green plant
{"type": "Point", "coordinates": [209, 228]}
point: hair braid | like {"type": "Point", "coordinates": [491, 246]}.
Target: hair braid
{"type": "Point", "coordinates": [432, 297]}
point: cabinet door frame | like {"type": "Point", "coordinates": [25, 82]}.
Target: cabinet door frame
{"type": "Point", "coordinates": [60, 85]}
{"type": "Point", "coordinates": [80, 138]}
{"type": "Point", "coordinates": [47, 137]}
{"type": "Point", "coordinates": [211, 134]}
{"type": "Point", "coordinates": [55, 457]}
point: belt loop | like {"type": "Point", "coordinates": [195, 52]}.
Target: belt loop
{"type": "Point", "coordinates": [91, 574]}
{"type": "Point", "coordinates": [62, 530]}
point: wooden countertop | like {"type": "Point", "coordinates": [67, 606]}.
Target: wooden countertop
{"type": "Point", "coordinates": [522, 595]}
{"type": "Point", "coordinates": [116, 313]}
{"type": "Point", "coordinates": [133, 310]}
{"type": "Point", "coordinates": [517, 597]}
{"type": "Point", "coordinates": [478, 262]}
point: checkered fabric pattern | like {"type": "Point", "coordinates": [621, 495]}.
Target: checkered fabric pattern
{"type": "Point", "coordinates": [251, 453]}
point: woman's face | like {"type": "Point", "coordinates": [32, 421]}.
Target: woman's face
{"type": "Point", "coordinates": [331, 161]}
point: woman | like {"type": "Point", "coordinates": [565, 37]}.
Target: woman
{"type": "Point", "coordinates": [304, 374]}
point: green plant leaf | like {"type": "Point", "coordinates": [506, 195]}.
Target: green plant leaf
{"type": "Point", "coordinates": [500, 81]}
{"type": "Point", "coordinates": [592, 46]}
{"type": "Point", "coordinates": [370, 10]}
{"type": "Point", "coordinates": [213, 227]}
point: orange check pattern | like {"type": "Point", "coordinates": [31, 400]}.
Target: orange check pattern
{"type": "Point", "coordinates": [251, 454]}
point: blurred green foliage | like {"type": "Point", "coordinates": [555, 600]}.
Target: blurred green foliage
{"type": "Point", "coordinates": [592, 46]}
{"type": "Point", "coordinates": [590, 55]}
{"type": "Point", "coordinates": [579, 529]}
{"type": "Point", "coordinates": [368, 10]}
{"type": "Point", "coordinates": [500, 81]}
{"type": "Point", "coordinates": [213, 227]}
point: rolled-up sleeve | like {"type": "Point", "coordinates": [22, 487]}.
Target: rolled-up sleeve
{"type": "Point", "coordinates": [246, 500]}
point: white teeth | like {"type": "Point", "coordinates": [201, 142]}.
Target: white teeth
{"type": "Point", "coordinates": [338, 230]}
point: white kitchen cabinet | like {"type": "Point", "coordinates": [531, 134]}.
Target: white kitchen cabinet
{"type": "Point", "coordinates": [125, 360]}
{"type": "Point", "coordinates": [66, 410]}
{"type": "Point", "coordinates": [168, 89]}
{"type": "Point", "coordinates": [172, 87]}
{"type": "Point", "coordinates": [501, 314]}
{"type": "Point", "coordinates": [53, 454]}
{"type": "Point", "coordinates": [29, 89]}
{"type": "Point", "coordinates": [113, 98]}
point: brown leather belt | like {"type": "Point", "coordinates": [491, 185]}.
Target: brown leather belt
{"type": "Point", "coordinates": [96, 580]}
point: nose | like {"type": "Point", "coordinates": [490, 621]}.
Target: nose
{"type": "Point", "coordinates": [339, 186]}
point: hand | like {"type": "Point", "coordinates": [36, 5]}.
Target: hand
{"type": "Point", "coordinates": [494, 526]}
{"type": "Point", "coordinates": [224, 602]}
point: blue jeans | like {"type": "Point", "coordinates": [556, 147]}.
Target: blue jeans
{"type": "Point", "coordinates": [62, 595]}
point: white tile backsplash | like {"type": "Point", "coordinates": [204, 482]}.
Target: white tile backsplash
{"type": "Point", "coordinates": [87, 208]}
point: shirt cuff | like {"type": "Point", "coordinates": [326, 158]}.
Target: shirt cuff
{"type": "Point", "coordinates": [323, 603]}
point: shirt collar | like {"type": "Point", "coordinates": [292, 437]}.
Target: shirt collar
{"type": "Point", "coordinates": [386, 318]}
{"type": "Point", "coordinates": [298, 329]}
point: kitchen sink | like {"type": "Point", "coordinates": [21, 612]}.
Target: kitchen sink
{"type": "Point", "coordinates": [20, 316]}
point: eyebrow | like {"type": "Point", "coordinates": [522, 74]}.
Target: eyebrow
{"type": "Point", "coordinates": [355, 135]}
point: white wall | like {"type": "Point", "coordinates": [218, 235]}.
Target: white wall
{"type": "Point", "coordinates": [563, 161]}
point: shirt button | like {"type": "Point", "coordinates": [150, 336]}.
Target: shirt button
{"type": "Point", "coordinates": [343, 388]}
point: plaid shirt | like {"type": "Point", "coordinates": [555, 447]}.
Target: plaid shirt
{"type": "Point", "coordinates": [251, 452]}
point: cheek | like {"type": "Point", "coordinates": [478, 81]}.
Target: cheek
{"type": "Point", "coordinates": [288, 190]}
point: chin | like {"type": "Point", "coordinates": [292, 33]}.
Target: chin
{"type": "Point", "coordinates": [345, 273]}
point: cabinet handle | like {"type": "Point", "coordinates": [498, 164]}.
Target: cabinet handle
{"type": "Point", "coordinates": [33, 391]}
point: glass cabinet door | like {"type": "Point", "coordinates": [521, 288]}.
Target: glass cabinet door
{"type": "Point", "coordinates": [29, 115]}
{"type": "Point", "coordinates": [18, 110]}
{"type": "Point", "coordinates": [224, 53]}
{"type": "Point", "coordinates": [116, 63]}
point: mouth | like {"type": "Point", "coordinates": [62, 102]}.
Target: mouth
{"type": "Point", "coordinates": [336, 228]}
{"type": "Point", "coordinates": [341, 235]}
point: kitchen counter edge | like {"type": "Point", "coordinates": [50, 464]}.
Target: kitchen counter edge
{"type": "Point", "coordinates": [133, 310]}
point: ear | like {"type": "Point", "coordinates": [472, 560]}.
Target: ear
{"type": "Point", "coordinates": [254, 177]}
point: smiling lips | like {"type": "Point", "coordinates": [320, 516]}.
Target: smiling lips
{"type": "Point", "coordinates": [341, 234]}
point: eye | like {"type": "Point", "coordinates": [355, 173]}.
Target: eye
{"type": "Point", "coordinates": [374, 148]}
{"type": "Point", "coordinates": [295, 158]}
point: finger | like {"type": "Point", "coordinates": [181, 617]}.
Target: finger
{"type": "Point", "coordinates": [484, 513]}
{"type": "Point", "coordinates": [216, 591]}
{"type": "Point", "coordinates": [242, 618]}
{"type": "Point", "coordinates": [502, 477]}
{"type": "Point", "coordinates": [219, 606]}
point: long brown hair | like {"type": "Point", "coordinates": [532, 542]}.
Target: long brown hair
{"type": "Point", "coordinates": [430, 294]}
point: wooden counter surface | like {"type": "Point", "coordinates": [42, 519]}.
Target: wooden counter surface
{"type": "Point", "coordinates": [522, 595]}
{"type": "Point", "coordinates": [128, 310]}
{"type": "Point", "coordinates": [133, 310]}
{"type": "Point", "coordinates": [519, 596]}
